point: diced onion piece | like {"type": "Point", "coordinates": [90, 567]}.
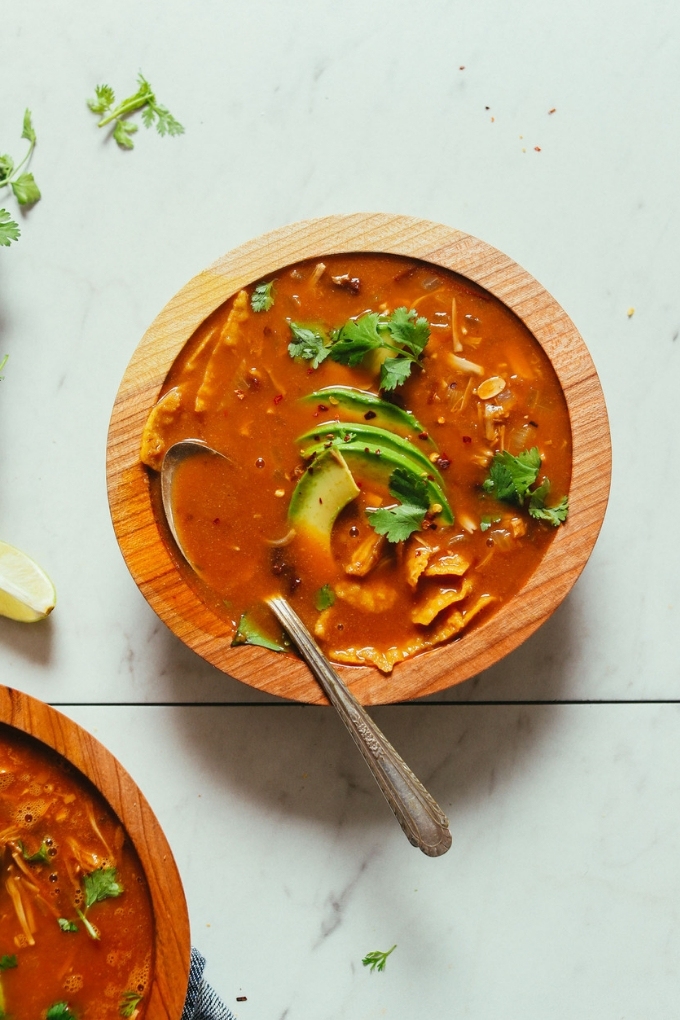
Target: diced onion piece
{"type": "Point", "coordinates": [491, 387]}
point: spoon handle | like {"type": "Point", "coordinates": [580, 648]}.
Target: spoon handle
{"type": "Point", "coordinates": [423, 821]}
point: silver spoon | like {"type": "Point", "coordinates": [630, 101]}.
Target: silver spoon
{"type": "Point", "coordinates": [423, 821]}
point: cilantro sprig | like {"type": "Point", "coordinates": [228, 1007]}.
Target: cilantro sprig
{"type": "Point", "coordinates": [39, 857]}
{"type": "Point", "coordinates": [129, 1002]}
{"type": "Point", "coordinates": [510, 481]}
{"type": "Point", "coordinates": [8, 962]}
{"type": "Point", "coordinates": [377, 960]}
{"type": "Point", "coordinates": [66, 925]}
{"type": "Point", "coordinates": [262, 298]}
{"type": "Point", "coordinates": [398, 522]}
{"type": "Point", "coordinates": [325, 598]}
{"type": "Point", "coordinates": [100, 885]}
{"type": "Point", "coordinates": [402, 333]}
{"type": "Point", "coordinates": [60, 1011]}
{"type": "Point", "coordinates": [23, 184]}
{"type": "Point", "coordinates": [143, 99]}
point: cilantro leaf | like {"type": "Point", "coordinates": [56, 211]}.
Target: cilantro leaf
{"type": "Point", "coordinates": [377, 960]}
{"type": "Point", "coordinates": [129, 1002]}
{"type": "Point", "coordinates": [9, 230]}
{"type": "Point", "coordinates": [356, 339]}
{"type": "Point", "coordinates": [325, 598]}
{"type": "Point", "coordinates": [393, 372]}
{"type": "Point", "coordinates": [166, 123]}
{"type": "Point", "coordinates": [310, 343]}
{"type": "Point", "coordinates": [486, 522]}
{"type": "Point", "coordinates": [66, 925]}
{"type": "Point", "coordinates": [28, 131]}
{"type": "Point", "coordinates": [408, 330]}
{"type": "Point", "coordinates": [8, 962]}
{"type": "Point", "coordinates": [510, 477]}
{"type": "Point", "coordinates": [262, 299]}
{"type": "Point", "coordinates": [104, 99]}
{"type": "Point", "coordinates": [249, 633]}
{"type": "Point", "coordinates": [554, 515]}
{"type": "Point", "coordinates": [6, 168]}
{"type": "Point", "coordinates": [397, 522]}
{"type": "Point", "coordinates": [39, 857]}
{"type": "Point", "coordinates": [101, 885]}
{"type": "Point", "coordinates": [409, 488]}
{"type": "Point", "coordinates": [60, 1011]}
{"type": "Point", "coordinates": [123, 133]}
{"type": "Point", "coordinates": [26, 191]}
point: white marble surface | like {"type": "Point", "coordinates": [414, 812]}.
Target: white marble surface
{"type": "Point", "coordinates": [560, 895]}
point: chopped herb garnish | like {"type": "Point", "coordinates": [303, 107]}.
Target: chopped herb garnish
{"type": "Point", "coordinates": [398, 522]}
{"type": "Point", "coordinates": [554, 515]}
{"type": "Point", "coordinates": [486, 522]}
{"type": "Point", "coordinates": [8, 962]}
{"type": "Point", "coordinates": [402, 333]}
{"type": "Point", "coordinates": [310, 343]}
{"type": "Point", "coordinates": [39, 857]}
{"type": "Point", "coordinates": [510, 480]}
{"type": "Point", "coordinates": [67, 925]}
{"type": "Point", "coordinates": [377, 960]}
{"type": "Point", "coordinates": [60, 1011]}
{"type": "Point", "coordinates": [262, 299]}
{"type": "Point", "coordinates": [510, 477]}
{"type": "Point", "coordinates": [25, 189]}
{"type": "Point", "coordinates": [144, 99]}
{"type": "Point", "coordinates": [129, 1002]}
{"type": "Point", "coordinates": [325, 598]}
{"type": "Point", "coordinates": [101, 885]}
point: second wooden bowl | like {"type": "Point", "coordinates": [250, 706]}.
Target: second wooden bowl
{"type": "Point", "coordinates": [170, 978]}
{"type": "Point", "coordinates": [155, 568]}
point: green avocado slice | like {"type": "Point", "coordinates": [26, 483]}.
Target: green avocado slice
{"type": "Point", "coordinates": [372, 461]}
{"type": "Point", "coordinates": [331, 431]}
{"type": "Point", "coordinates": [323, 490]}
{"type": "Point", "coordinates": [357, 404]}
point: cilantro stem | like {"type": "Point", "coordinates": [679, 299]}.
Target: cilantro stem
{"type": "Point", "coordinates": [127, 106]}
{"type": "Point", "coordinates": [15, 172]}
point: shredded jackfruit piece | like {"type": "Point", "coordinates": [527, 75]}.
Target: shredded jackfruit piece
{"type": "Point", "coordinates": [426, 612]}
{"type": "Point", "coordinates": [372, 598]}
{"type": "Point", "coordinates": [449, 564]}
{"type": "Point", "coordinates": [366, 555]}
{"type": "Point", "coordinates": [212, 385]}
{"type": "Point", "coordinates": [154, 440]}
{"type": "Point", "coordinates": [418, 556]}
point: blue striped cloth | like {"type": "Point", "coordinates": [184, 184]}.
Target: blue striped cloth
{"type": "Point", "coordinates": [202, 1003]}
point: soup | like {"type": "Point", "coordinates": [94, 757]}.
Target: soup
{"type": "Point", "coordinates": [76, 927]}
{"type": "Point", "coordinates": [396, 455]}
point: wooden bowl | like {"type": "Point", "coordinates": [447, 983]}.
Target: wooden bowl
{"type": "Point", "coordinates": [154, 566]}
{"type": "Point", "coordinates": [170, 979]}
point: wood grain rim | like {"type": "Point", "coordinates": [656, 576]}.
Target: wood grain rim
{"type": "Point", "coordinates": [153, 565]}
{"type": "Point", "coordinates": [172, 949]}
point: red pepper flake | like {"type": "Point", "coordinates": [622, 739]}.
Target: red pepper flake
{"type": "Point", "coordinates": [320, 499]}
{"type": "Point", "coordinates": [553, 110]}
{"type": "Point", "coordinates": [467, 439]}
{"type": "Point", "coordinates": [443, 462]}
{"type": "Point", "coordinates": [537, 148]}
{"type": "Point", "coordinates": [241, 998]}
{"type": "Point", "coordinates": [310, 371]}
{"type": "Point", "coordinates": [322, 407]}
{"type": "Point", "coordinates": [278, 398]}
{"type": "Point", "coordinates": [534, 424]}
{"type": "Point", "coordinates": [216, 521]}
{"type": "Point", "coordinates": [423, 435]}
{"type": "Point", "coordinates": [462, 67]}
{"type": "Point", "coordinates": [369, 415]}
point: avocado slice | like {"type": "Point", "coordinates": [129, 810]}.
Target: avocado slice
{"type": "Point", "coordinates": [358, 404]}
{"type": "Point", "coordinates": [324, 489]}
{"type": "Point", "coordinates": [373, 461]}
{"type": "Point", "coordinates": [318, 438]}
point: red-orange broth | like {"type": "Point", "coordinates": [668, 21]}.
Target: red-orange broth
{"type": "Point", "coordinates": [232, 515]}
{"type": "Point", "coordinates": [49, 809]}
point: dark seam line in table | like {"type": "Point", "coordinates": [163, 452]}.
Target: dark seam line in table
{"type": "Point", "coordinates": [394, 704]}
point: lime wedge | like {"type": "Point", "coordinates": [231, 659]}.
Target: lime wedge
{"type": "Point", "coordinates": [26, 592]}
